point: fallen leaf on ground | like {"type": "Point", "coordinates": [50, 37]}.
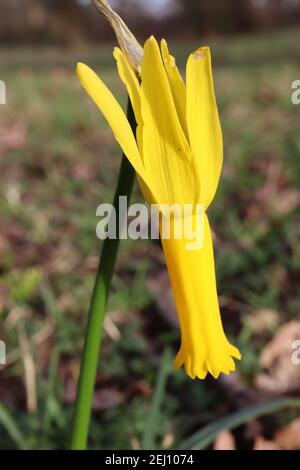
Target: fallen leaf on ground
{"type": "Point", "coordinates": [263, 321]}
{"type": "Point", "coordinates": [288, 437]}
{"type": "Point", "coordinates": [224, 441]}
{"type": "Point", "coordinates": [281, 374]}
{"type": "Point", "coordinates": [263, 444]}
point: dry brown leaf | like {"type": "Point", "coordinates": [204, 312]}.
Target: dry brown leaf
{"type": "Point", "coordinates": [224, 441]}
{"type": "Point", "coordinates": [263, 444]}
{"type": "Point", "coordinates": [4, 245]}
{"type": "Point", "coordinates": [263, 321]}
{"type": "Point", "coordinates": [12, 137]}
{"type": "Point", "coordinates": [282, 375]}
{"type": "Point", "coordinates": [106, 398]}
{"type": "Point", "coordinates": [287, 201]}
{"type": "Point", "coordinates": [288, 438]}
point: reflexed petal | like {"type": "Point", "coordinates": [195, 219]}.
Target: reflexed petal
{"type": "Point", "coordinates": [204, 128]}
{"type": "Point", "coordinates": [131, 82]}
{"type": "Point", "coordinates": [113, 113]}
{"type": "Point", "coordinates": [166, 153]}
{"type": "Point", "coordinates": [177, 85]}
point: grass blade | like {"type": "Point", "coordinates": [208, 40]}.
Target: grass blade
{"type": "Point", "coordinates": [204, 437]}
{"type": "Point", "coordinates": [94, 329]}
{"type": "Point", "coordinates": [9, 425]}
{"type": "Point", "coordinates": [151, 429]}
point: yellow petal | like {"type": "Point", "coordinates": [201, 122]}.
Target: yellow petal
{"type": "Point", "coordinates": [204, 128]}
{"type": "Point", "coordinates": [166, 153]}
{"type": "Point", "coordinates": [131, 82]}
{"type": "Point", "coordinates": [113, 113]}
{"type": "Point", "coordinates": [177, 85]}
{"type": "Point", "coordinates": [204, 346]}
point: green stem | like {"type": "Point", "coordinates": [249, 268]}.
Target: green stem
{"type": "Point", "coordinates": [93, 336]}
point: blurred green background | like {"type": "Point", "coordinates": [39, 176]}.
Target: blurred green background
{"type": "Point", "coordinates": [59, 161]}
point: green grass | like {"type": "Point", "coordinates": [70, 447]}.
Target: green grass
{"type": "Point", "coordinates": [58, 162]}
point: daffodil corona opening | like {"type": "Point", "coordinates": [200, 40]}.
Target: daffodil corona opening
{"type": "Point", "coordinates": [177, 154]}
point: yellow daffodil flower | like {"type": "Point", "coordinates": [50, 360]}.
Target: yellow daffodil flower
{"type": "Point", "coordinates": [177, 154]}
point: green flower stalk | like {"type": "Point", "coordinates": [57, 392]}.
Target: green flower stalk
{"type": "Point", "coordinates": [94, 331]}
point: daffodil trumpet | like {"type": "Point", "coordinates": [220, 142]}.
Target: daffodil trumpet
{"type": "Point", "coordinates": [204, 346]}
{"type": "Point", "coordinates": [177, 153]}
